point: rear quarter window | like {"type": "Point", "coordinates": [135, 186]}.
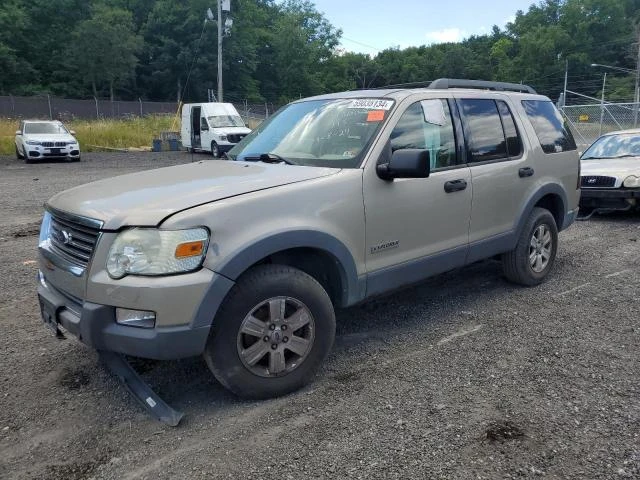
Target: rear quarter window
{"type": "Point", "coordinates": [549, 126]}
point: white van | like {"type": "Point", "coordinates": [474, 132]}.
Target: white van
{"type": "Point", "coordinates": [211, 127]}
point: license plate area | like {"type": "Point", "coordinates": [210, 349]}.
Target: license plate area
{"type": "Point", "coordinates": [49, 318]}
{"type": "Point", "coordinates": [55, 151]}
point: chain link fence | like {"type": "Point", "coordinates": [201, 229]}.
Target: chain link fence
{"type": "Point", "coordinates": [589, 121]}
{"type": "Point", "coordinates": [65, 109]}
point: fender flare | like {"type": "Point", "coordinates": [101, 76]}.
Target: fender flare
{"type": "Point", "coordinates": [278, 242]}
{"type": "Point", "coordinates": [549, 188]}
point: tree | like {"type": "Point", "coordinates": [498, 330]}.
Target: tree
{"type": "Point", "coordinates": [105, 47]}
{"type": "Point", "coordinates": [13, 20]}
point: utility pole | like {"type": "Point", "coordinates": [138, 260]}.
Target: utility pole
{"type": "Point", "coordinates": [604, 83]}
{"type": "Point", "coordinates": [566, 78]}
{"type": "Point", "coordinates": [219, 2]}
{"type": "Point", "coordinates": [637, 86]}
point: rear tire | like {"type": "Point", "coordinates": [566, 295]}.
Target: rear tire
{"type": "Point", "coordinates": [532, 259]}
{"type": "Point", "coordinates": [272, 333]}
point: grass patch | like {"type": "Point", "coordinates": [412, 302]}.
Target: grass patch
{"type": "Point", "coordinates": [96, 135]}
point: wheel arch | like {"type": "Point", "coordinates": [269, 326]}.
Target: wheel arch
{"type": "Point", "coordinates": [551, 197]}
{"type": "Point", "coordinates": [318, 254]}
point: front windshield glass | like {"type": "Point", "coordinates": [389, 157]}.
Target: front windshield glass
{"type": "Point", "coordinates": [220, 121]}
{"type": "Point", "coordinates": [326, 133]}
{"type": "Point", "coordinates": [614, 146]}
{"type": "Point", "coordinates": [44, 128]}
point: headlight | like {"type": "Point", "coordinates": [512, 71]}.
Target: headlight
{"type": "Point", "coordinates": [631, 182]}
{"type": "Point", "coordinates": [148, 251]}
{"type": "Point", "coordinates": [223, 138]}
{"type": "Point", "coordinates": [33, 142]}
{"type": "Point", "coordinates": [44, 229]}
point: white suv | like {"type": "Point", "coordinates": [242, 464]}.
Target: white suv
{"type": "Point", "coordinates": [42, 139]}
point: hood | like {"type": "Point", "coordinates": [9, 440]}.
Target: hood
{"type": "Point", "coordinates": [611, 167]}
{"type": "Point", "coordinates": [146, 198]}
{"type": "Point", "coordinates": [49, 137]}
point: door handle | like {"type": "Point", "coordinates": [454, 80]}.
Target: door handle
{"type": "Point", "coordinates": [455, 185]}
{"type": "Point", "coordinates": [525, 172]}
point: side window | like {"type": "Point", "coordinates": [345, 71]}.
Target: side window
{"type": "Point", "coordinates": [427, 125]}
{"type": "Point", "coordinates": [203, 124]}
{"type": "Point", "coordinates": [551, 130]}
{"type": "Point", "coordinates": [483, 128]}
{"type": "Point", "coordinates": [514, 142]}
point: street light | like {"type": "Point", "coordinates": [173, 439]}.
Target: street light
{"type": "Point", "coordinates": [627, 70]}
{"type": "Point", "coordinates": [636, 99]}
{"type": "Point", "coordinates": [223, 6]}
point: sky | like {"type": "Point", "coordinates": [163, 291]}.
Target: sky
{"type": "Point", "coordinates": [369, 26]}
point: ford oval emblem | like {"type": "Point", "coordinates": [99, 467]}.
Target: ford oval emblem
{"type": "Point", "coordinates": [67, 238]}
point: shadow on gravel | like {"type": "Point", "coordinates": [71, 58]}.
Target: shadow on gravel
{"type": "Point", "coordinates": [503, 431]}
{"type": "Point", "coordinates": [74, 379]}
{"type": "Point", "coordinates": [626, 217]}
{"type": "Point", "coordinates": [189, 385]}
{"type": "Point", "coordinates": [28, 230]}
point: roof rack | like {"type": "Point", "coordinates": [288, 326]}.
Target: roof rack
{"type": "Point", "coordinates": [444, 83]}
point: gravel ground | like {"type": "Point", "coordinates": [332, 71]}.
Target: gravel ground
{"type": "Point", "coordinates": [464, 376]}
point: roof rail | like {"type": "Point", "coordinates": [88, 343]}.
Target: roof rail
{"type": "Point", "coordinates": [445, 83]}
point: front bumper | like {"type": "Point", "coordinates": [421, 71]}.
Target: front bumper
{"type": "Point", "coordinates": [39, 152]}
{"type": "Point", "coordinates": [609, 198]}
{"type": "Point", "coordinates": [225, 147]}
{"type": "Point", "coordinates": [95, 324]}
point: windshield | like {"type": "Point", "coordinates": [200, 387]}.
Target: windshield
{"type": "Point", "coordinates": [325, 133]}
{"type": "Point", "coordinates": [614, 146]}
{"type": "Point", "coordinates": [220, 121]}
{"type": "Point", "coordinates": [44, 127]}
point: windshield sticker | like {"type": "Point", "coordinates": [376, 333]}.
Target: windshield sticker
{"type": "Point", "coordinates": [371, 104]}
{"type": "Point", "coordinates": [434, 112]}
{"type": "Point", "coordinates": [375, 116]}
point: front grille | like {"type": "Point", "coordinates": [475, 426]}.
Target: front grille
{"type": "Point", "coordinates": [235, 137]}
{"type": "Point", "coordinates": [598, 181]}
{"type": "Point", "coordinates": [60, 144]}
{"type": "Point", "coordinates": [73, 240]}
{"type": "Point", "coordinates": [47, 144]}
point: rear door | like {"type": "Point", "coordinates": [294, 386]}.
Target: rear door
{"type": "Point", "coordinates": [502, 172]}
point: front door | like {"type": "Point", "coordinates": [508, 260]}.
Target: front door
{"type": "Point", "coordinates": [418, 227]}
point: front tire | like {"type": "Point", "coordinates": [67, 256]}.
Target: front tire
{"type": "Point", "coordinates": [530, 262]}
{"type": "Point", "coordinates": [18, 155]}
{"type": "Point", "coordinates": [215, 151]}
{"type": "Point", "coordinates": [272, 333]}
{"type": "Point", "coordinates": [25, 155]}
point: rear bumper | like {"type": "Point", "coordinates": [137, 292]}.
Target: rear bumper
{"type": "Point", "coordinates": [569, 218]}
{"type": "Point", "coordinates": [610, 198]}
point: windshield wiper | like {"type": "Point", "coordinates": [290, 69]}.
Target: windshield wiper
{"type": "Point", "coordinates": [628, 155]}
{"type": "Point", "coordinates": [268, 158]}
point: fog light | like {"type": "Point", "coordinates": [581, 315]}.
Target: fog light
{"type": "Point", "coordinates": [135, 318]}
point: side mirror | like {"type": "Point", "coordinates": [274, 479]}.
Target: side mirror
{"type": "Point", "coordinates": [18, 132]}
{"type": "Point", "coordinates": [72, 132]}
{"type": "Point", "coordinates": [204, 128]}
{"type": "Point", "coordinates": [406, 163]}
